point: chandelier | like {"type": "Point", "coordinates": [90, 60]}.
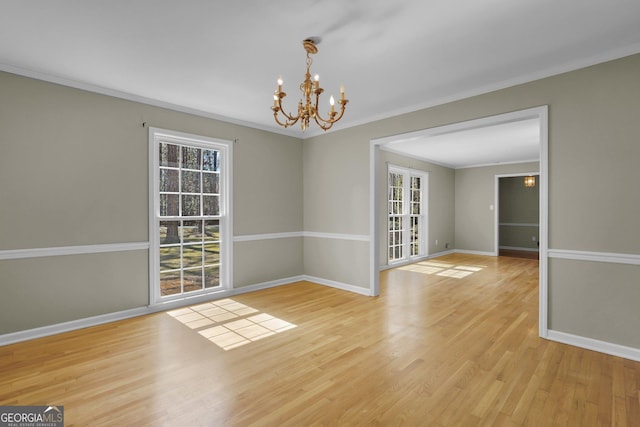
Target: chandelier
{"type": "Point", "coordinates": [311, 92]}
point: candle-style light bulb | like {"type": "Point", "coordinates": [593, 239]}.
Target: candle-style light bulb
{"type": "Point", "coordinates": [341, 91]}
{"type": "Point", "coordinates": [279, 83]}
{"type": "Point", "coordinates": [316, 79]}
{"type": "Point", "coordinates": [275, 100]}
{"type": "Point", "coordinates": [332, 102]}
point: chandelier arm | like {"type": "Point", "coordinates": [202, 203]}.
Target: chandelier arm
{"type": "Point", "coordinates": [343, 106]}
{"type": "Point", "coordinates": [324, 124]}
{"type": "Point", "coordinates": [289, 117]}
{"type": "Point", "coordinates": [286, 124]}
{"type": "Point", "coordinates": [280, 108]}
{"type": "Point", "coordinates": [318, 117]}
{"type": "Point", "coordinates": [332, 116]}
{"type": "Point", "coordinates": [287, 121]}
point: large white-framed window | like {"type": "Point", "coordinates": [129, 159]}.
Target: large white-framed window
{"type": "Point", "coordinates": [190, 229]}
{"type": "Point", "coordinates": [406, 214]}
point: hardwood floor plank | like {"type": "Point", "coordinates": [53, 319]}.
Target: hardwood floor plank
{"type": "Point", "coordinates": [449, 341]}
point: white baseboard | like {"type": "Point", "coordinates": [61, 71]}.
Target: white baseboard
{"type": "Point", "coordinates": [338, 285]}
{"type": "Point", "coordinates": [443, 253]}
{"type": "Point", "coordinates": [464, 251]}
{"type": "Point", "coordinates": [519, 248]}
{"type": "Point", "coordinates": [87, 322]}
{"type": "Point", "coordinates": [266, 285]}
{"type": "Point", "coordinates": [595, 345]}
{"type": "Point", "coordinates": [58, 328]}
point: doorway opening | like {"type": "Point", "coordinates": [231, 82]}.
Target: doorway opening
{"type": "Point", "coordinates": [517, 225]}
{"type": "Point", "coordinates": [479, 150]}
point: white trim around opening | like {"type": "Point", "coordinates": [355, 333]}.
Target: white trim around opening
{"type": "Point", "coordinates": [375, 145]}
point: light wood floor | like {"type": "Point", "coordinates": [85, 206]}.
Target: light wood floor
{"type": "Point", "coordinates": [449, 342]}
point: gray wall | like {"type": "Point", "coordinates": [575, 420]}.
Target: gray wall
{"type": "Point", "coordinates": [475, 194]}
{"type": "Point", "coordinates": [518, 205]}
{"type": "Point", "coordinates": [336, 200]}
{"type": "Point", "coordinates": [74, 171]}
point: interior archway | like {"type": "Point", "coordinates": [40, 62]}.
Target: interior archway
{"type": "Point", "coordinates": [539, 114]}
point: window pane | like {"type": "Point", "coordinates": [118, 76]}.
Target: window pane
{"type": "Point", "coordinates": [168, 232]}
{"type": "Point", "coordinates": [211, 253]}
{"type": "Point", "coordinates": [211, 276]}
{"type": "Point", "coordinates": [211, 205]}
{"type": "Point", "coordinates": [170, 283]}
{"type": "Point", "coordinates": [211, 160]}
{"type": "Point", "coordinates": [192, 279]}
{"type": "Point", "coordinates": [169, 155]}
{"type": "Point", "coordinates": [169, 258]}
{"type": "Point", "coordinates": [190, 182]}
{"type": "Point", "coordinates": [169, 204]}
{"type": "Point", "coordinates": [211, 183]}
{"type": "Point", "coordinates": [398, 208]}
{"type": "Point", "coordinates": [192, 255]}
{"type": "Point", "coordinates": [212, 230]}
{"type": "Point", "coordinates": [169, 180]}
{"type": "Point", "coordinates": [190, 205]}
{"type": "Point", "coordinates": [415, 182]}
{"type": "Point", "coordinates": [191, 158]}
{"type": "Point", "coordinates": [192, 231]}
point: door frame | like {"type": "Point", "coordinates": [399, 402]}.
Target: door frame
{"type": "Point", "coordinates": [542, 114]}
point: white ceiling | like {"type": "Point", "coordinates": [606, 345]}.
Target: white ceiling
{"type": "Point", "coordinates": [221, 58]}
{"type": "Point", "coordinates": [508, 142]}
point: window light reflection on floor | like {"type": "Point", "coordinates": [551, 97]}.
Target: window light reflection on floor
{"type": "Point", "coordinates": [229, 324]}
{"type": "Point", "coordinates": [442, 269]}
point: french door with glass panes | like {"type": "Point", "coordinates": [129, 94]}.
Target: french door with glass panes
{"type": "Point", "coordinates": [189, 230]}
{"type": "Point", "coordinates": [406, 214]}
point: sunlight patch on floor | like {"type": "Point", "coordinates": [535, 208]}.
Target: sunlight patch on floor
{"type": "Point", "coordinates": [442, 269]}
{"type": "Point", "coordinates": [229, 324]}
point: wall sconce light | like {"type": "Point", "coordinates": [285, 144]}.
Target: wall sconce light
{"type": "Point", "coordinates": [529, 181]}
